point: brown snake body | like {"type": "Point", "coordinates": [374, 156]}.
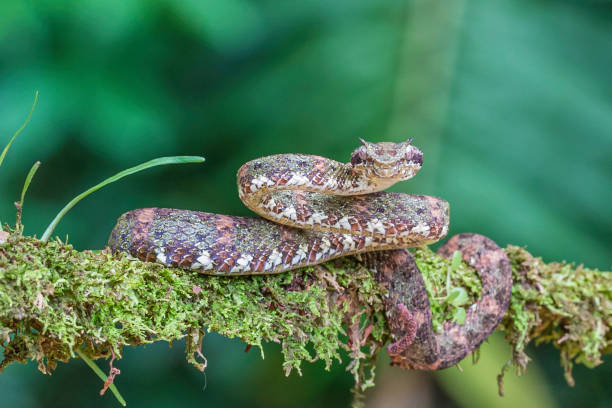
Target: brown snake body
{"type": "Point", "coordinates": [316, 209]}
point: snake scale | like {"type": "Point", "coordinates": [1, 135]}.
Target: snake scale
{"type": "Point", "coordinates": [315, 209]}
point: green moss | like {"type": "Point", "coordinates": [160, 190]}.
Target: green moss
{"type": "Point", "coordinates": [559, 303]}
{"type": "Point", "coordinates": [54, 299]}
{"type": "Point", "coordinates": [451, 285]}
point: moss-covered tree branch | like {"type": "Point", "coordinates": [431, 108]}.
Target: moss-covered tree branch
{"type": "Point", "coordinates": [55, 300]}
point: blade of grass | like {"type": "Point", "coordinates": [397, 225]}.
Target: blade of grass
{"type": "Point", "coordinates": [28, 180]}
{"type": "Point", "coordinates": [101, 374]}
{"type": "Point", "coordinates": [3, 154]}
{"type": "Point", "coordinates": [152, 163]}
{"type": "Point", "coordinates": [26, 184]}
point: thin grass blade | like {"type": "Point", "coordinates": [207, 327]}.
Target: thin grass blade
{"type": "Point", "coordinates": [102, 376]}
{"type": "Point", "coordinates": [28, 180]}
{"type": "Point", "coordinates": [3, 154]}
{"type": "Point", "coordinates": [152, 163]}
{"type": "Point", "coordinates": [19, 205]}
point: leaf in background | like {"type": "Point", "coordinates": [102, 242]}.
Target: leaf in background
{"type": "Point", "coordinates": [424, 74]}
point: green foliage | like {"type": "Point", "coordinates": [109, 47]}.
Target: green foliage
{"type": "Point", "coordinates": [559, 303]}
{"type": "Point", "coordinates": [28, 180]}
{"type": "Point", "coordinates": [447, 299]}
{"type": "Point", "coordinates": [19, 130]}
{"type": "Point", "coordinates": [24, 190]}
{"type": "Point", "coordinates": [34, 168]}
{"type": "Point", "coordinates": [100, 374]}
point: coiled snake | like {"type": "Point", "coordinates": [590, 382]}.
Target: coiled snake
{"type": "Point", "coordinates": [316, 209]}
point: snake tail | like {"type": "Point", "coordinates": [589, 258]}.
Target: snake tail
{"type": "Point", "coordinates": [417, 345]}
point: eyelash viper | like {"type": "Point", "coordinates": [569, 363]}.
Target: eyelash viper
{"type": "Point", "coordinates": [315, 209]}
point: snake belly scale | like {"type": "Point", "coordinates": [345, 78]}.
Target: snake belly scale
{"type": "Point", "coordinates": [315, 209]}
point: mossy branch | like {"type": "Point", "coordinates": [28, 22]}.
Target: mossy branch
{"type": "Point", "coordinates": [56, 302]}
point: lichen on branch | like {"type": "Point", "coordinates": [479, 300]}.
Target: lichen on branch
{"type": "Point", "coordinates": [55, 300]}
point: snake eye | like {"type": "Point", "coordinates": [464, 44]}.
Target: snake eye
{"type": "Point", "coordinates": [359, 155]}
{"type": "Point", "coordinates": [414, 155]}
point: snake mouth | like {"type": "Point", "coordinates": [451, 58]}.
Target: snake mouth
{"type": "Point", "coordinates": [399, 171]}
{"type": "Point", "coordinates": [387, 172]}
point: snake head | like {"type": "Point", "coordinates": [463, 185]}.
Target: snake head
{"type": "Point", "coordinates": [387, 160]}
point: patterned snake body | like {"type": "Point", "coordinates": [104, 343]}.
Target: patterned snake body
{"type": "Point", "coordinates": [316, 209]}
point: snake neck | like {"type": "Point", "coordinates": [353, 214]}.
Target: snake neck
{"type": "Point", "coordinates": [304, 173]}
{"type": "Point", "coordinates": [307, 173]}
{"type": "Point", "coordinates": [309, 192]}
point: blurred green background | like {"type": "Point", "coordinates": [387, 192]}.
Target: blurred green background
{"type": "Point", "coordinates": [511, 102]}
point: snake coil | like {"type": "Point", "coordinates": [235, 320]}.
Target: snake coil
{"type": "Point", "coordinates": [315, 209]}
